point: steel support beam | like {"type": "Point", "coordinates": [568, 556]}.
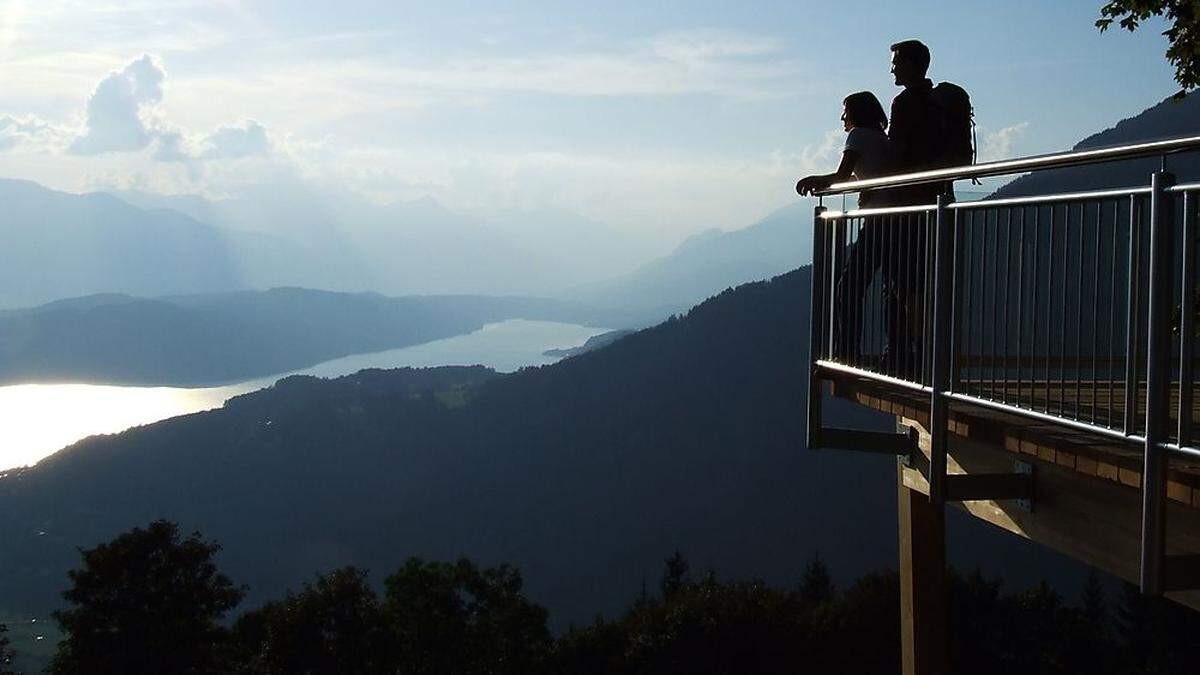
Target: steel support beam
{"type": "Point", "coordinates": [993, 486]}
{"type": "Point", "coordinates": [880, 442]}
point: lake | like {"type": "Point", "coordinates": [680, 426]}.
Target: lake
{"type": "Point", "coordinates": [39, 419]}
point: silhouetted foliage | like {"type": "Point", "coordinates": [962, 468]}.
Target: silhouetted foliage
{"type": "Point", "coordinates": [145, 602]}
{"type": "Point", "coordinates": [817, 585]}
{"type": "Point", "coordinates": [6, 653]}
{"type": "Point", "coordinates": [333, 626]}
{"type": "Point", "coordinates": [675, 577]}
{"type": "Point", "coordinates": [1183, 32]}
{"type": "Point", "coordinates": [149, 602]}
{"type": "Point", "coordinates": [458, 618]}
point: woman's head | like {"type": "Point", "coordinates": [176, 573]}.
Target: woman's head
{"type": "Point", "coordinates": [862, 109]}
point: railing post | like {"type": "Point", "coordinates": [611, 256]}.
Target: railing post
{"type": "Point", "coordinates": [942, 358]}
{"type": "Point", "coordinates": [815, 338]}
{"type": "Point", "coordinates": [1158, 382]}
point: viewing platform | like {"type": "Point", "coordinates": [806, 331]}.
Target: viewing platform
{"type": "Point", "coordinates": [1038, 354]}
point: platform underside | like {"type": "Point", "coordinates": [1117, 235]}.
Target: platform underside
{"type": "Point", "coordinates": [1088, 498]}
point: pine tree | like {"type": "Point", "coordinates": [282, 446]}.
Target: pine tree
{"type": "Point", "coordinates": [675, 577]}
{"type": "Point", "coordinates": [817, 585]}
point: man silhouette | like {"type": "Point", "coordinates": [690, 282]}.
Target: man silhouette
{"type": "Point", "coordinates": [915, 127]}
{"type": "Point", "coordinates": [913, 136]}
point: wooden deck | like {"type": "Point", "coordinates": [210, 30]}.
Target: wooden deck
{"type": "Point", "coordinates": [1088, 497]}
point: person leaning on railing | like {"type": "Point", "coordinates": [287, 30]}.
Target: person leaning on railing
{"type": "Point", "coordinates": [867, 154]}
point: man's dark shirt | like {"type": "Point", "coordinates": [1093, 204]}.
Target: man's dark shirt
{"type": "Point", "coordinates": [913, 135]}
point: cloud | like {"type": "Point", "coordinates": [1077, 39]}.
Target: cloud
{"type": "Point", "coordinates": [998, 144]}
{"type": "Point", "coordinates": [118, 109]}
{"type": "Point", "coordinates": [30, 131]}
{"type": "Point", "coordinates": [123, 116]}
{"type": "Point", "coordinates": [236, 141]}
{"type": "Point", "coordinates": [702, 45]}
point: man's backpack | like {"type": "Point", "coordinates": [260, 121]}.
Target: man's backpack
{"type": "Point", "coordinates": [955, 121]}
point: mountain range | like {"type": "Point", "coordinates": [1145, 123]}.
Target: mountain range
{"type": "Point", "coordinates": [585, 474]}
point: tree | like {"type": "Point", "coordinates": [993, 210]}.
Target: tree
{"type": "Point", "coordinates": [334, 626]}
{"type": "Point", "coordinates": [675, 577]}
{"type": "Point", "coordinates": [458, 618]}
{"type": "Point", "coordinates": [1183, 34]}
{"type": "Point", "coordinates": [817, 585]}
{"type": "Point", "coordinates": [145, 602]}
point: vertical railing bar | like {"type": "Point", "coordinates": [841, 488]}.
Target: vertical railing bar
{"type": "Point", "coordinates": [1062, 343]}
{"type": "Point", "coordinates": [985, 303]}
{"type": "Point", "coordinates": [980, 234]}
{"type": "Point", "coordinates": [1096, 309]}
{"type": "Point", "coordinates": [924, 241]}
{"type": "Point", "coordinates": [1049, 304]}
{"type": "Point", "coordinates": [1131, 318]}
{"type": "Point", "coordinates": [1112, 316]}
{"type": "Point", "coordinates": [965, 327]}
{"type": "Point", "coordinates": [873, 316]}
{"type": "Point", "coordinates": [1020, 302]}
{"type": "Point", "coordinates": [990, 302]}
{"type": "Point", "coordinates": [1187, 308]}
{"type": "Point", "coordinates": [1007, 283]}
{"type": "Point", "coordinates": [835, 302]}
{"type": "Point", "coordinates": [859, 293]}
{"type": "Point", "coordinates": [1158, 383]}
{"type": "Point", "coordinates": [889, 248]}
{"type": "Point", "coordinates": [1078, 357]}
{"type": "Point", "coordinates": [1035, 285]}
{"type": "Point", "coordinates": [898, 300]}
{"type": "Point", "coordinates": [910, 304]}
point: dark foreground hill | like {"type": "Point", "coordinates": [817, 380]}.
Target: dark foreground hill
{"type": "Point", "coordinates": [214, 338]}
{"type": "Point", "coordinates": [585, 474]}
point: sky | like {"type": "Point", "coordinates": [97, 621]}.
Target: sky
{"type": "Point", "coordinates": [663, 118]}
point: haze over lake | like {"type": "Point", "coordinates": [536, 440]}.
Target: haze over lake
{"type": "Point", "coordinates": [43, 418]}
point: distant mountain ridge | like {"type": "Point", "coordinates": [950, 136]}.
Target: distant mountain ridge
{"type": "Point", "coordinates": [419, 246]}
{"type": "Point", "coordinates": [709, 262]}
{"type": "Point", "coordinates": [1169, 118]}
{"type": "Point", "coordinates": [55, 245]}
{"type": "Point", "coordinates": [217, 338]}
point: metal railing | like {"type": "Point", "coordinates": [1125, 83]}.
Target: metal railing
{"type": "Point", "coordinates": [1075, 309]}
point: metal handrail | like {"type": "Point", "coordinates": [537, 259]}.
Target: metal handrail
{"type": "Point", "coordinates": [1020, 165]}
{"type": "Point", "coordinates": [882, 271]}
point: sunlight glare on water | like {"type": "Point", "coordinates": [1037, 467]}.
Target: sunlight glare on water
{"type": "Point", "coordinates": [39, 419]}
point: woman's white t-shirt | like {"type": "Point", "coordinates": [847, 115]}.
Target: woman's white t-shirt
{"type": "Point", "coordinates": [874, 152]}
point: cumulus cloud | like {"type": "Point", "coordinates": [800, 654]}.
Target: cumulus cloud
{"type": "Point", "coordinates": [236, 141]}
{"type": "Point", "coordinates": [117, 110]}
{"type": "Point", "coordinates": [998, 144]}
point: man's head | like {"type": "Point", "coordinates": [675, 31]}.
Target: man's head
{"type": "Point", "coordinates": [910, 62]}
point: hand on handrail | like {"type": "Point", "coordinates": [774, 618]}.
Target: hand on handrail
{"type": "Point", "coordinates": [811, 184]}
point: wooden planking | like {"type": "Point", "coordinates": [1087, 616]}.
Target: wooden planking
{"type": "Point", "coordinates": [1070, 449]}
{"type": "Point", "coordinates": [1095, 521]}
